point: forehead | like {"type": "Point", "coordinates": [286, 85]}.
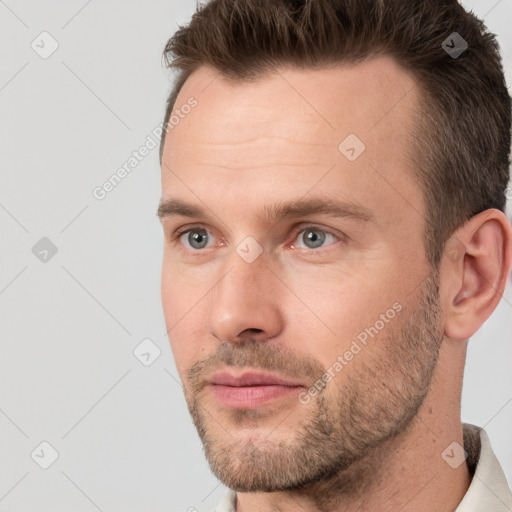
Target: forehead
{"type": "Point", "coordinates": [293, 125]}
{"type": "Point", "coordinates": [344, 96]}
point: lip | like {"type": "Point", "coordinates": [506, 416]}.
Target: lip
{"type": "Point", "coordinates": [250, 379]}
{"type": "Point", "coordinates": [251, 390]}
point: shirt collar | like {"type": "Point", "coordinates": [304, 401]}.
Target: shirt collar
{"type": "Point", "coordinates": [489, 488]}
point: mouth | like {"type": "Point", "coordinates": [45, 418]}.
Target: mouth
{"type": "Point", "coordinates": [251, 390]}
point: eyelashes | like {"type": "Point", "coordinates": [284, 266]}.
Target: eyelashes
{"type": "Point", "coordinates": [320, 235]}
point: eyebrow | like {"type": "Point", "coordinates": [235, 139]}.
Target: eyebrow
{"type": "Point", "coordinates": [276, 212]}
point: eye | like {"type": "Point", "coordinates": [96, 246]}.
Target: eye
{"type": "Point", "coordinates": [313, 238]}
{"type": "Point", "coordinates": [196, 238]}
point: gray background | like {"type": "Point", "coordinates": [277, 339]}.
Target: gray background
{"type": "Point", "coordinates": [68, 326]}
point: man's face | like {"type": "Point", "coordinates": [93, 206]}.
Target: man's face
{"type": "Point", "coordinates": [340, 302]}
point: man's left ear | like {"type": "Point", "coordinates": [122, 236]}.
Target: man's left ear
{"type": "Point", "coordinates": [474, 270]}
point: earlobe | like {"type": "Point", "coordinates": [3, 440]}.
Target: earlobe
{"type": "Point", "coordinates": [476, 280]}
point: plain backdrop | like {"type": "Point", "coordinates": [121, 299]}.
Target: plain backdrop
{"type": "Point", "coordinates": [79, 277]}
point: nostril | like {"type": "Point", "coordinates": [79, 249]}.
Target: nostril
{"type": "Point", "coordinates": [252, 331]}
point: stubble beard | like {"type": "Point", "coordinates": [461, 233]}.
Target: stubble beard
{"type": "Point", "coordinates": [342, 432]}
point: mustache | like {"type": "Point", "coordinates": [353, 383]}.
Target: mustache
{"type": "Point", "coordinates": [257, 355]}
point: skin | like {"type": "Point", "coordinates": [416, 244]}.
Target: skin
{"type": "Point", "coordinates": [373, 437]}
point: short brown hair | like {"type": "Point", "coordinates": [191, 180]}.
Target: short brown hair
{"type": "Point", "coordinates": [460, 147]}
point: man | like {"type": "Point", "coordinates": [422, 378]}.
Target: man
{"type": "Point", "coordinates": [333, 195]}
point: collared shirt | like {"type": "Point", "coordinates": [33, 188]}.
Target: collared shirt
{"type": "Point", "coordinates": [488, 491]}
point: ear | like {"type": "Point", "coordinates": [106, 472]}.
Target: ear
{"type": "Point", "coordinates": [474, 270]}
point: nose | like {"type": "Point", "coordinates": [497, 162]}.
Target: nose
{"type": "Point", "coordinates": [245, 302]}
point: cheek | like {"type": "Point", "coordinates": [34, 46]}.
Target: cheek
{"type": "Point", "coordinates": [184, 315]}
{"type": "Point", "coordinates": [187, 343]}
{"type": "Point", "coordinates": [181, 290]}
{"type": "Point", "coordinates": [170, 292]}
{"type": "Point", "coordinates": [333, 308]}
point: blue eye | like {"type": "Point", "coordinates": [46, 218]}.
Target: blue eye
{"type": "Point", "coordinates": [313, 238]}
{"type": "Point", "coordinates": [197, 238]}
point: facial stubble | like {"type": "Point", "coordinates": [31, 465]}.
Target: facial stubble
{"type": "Point", "coordinates": [342, 427]}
